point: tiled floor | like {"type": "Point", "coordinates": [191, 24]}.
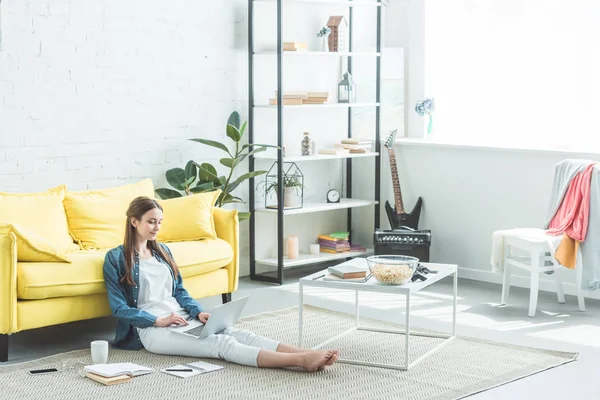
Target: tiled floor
{"type": "Point", "coordinates": [556, 326]}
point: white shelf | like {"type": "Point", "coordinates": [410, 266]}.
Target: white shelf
{"type": "Point", "coordinates": [306, 259]}
{"type": "Point", "coordinates": [353, 3]}
{"type": "Point", "coordinates": [321, 53]}
{"type": "Point", "coordinates": [316, 157]}
{"type": "Point", "coordinates": [326, 105]}
{"type": "Point", "coordinates": [318, 207]}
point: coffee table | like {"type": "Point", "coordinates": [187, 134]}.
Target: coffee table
{"type": "Point", "coordinates": [408, 289]}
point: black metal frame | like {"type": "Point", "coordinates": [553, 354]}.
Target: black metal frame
{"type": "Point", "coordinates": [3, 347]}
{"type": "Point", "coordinates": [280, 220]}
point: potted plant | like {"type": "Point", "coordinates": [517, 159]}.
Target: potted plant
{"type": "Point", "coordinates": [293, 186]}
{"type": "Point", "coordinates": [199, 178]}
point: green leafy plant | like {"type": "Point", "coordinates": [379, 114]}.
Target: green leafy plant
{"type": "Point", "coordinates": [201, 178]}
{"type": "Point", "coordinates": [289, 181]}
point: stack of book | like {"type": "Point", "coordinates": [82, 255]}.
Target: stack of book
{"type": "Point", "coordinates": [295, 46]}
{"type": "Point", "coordinates": [337, 242]}
{"type": "Point", "coordinates": [355, 145]}
{"type": "Point", "coordinates": [316, 98]}
{"type": "Point", "coordinates": [349, 146]}
{"type": "Point", "coordinates": [298, 98]}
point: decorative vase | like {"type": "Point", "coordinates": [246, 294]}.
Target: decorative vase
{"type": "Point", "coordinates": [289, 197]}
{"type": "Point", "coordinates": [325, 43]}
{"type": "Point", "coordinates": [430, 125]}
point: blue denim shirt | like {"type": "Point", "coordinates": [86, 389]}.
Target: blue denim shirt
{"type": "Point", "coordinates": [123, 298]}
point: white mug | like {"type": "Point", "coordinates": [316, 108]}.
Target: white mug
{"type": "Point", "coordinates": [315, 249]}
{"type": "Point", "coordinates": [99, 350]}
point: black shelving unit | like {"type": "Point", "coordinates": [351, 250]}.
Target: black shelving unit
{"type": "Point", "coordinates": [269, 277]}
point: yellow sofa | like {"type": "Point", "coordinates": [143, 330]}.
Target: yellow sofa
{"type": "Point", "coordinates": [38, 294]}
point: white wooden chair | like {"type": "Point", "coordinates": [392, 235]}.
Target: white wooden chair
{"type": "Point", "coordinates": [536, 259]}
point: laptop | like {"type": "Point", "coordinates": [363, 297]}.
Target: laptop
{"type": "Point", "coordinates": [221, 318]}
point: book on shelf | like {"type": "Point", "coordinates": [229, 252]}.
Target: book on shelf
{"type": "Point", "coordinates": [353, 146]}
{"type": "Point", "coordinates": [293, 95]}
{"type": "Point", "coordinates": [359, 151]}
{"type": "Point", "coordinates": [318, 94]}
{"type": "Point", "coordinates": [333, 237]}
{"type": "Point", "coordinates": [347, 271]}
{"type": "Point", "coordinates": [357, 141]}
{"type": "Point", "coordinates": [286, 102]}
{"type": "Point", "coordinates": [313, 101]}
{"type": "Point", "coordinates": [334, 278]}
{"type": "Point", "coordinates": [295, 46]}
{"type": "Point", "coordinates": [108, 381]}
{"type": "Point", "coordinates": [197, 368]}
{"type": "Point", "coordinates": [332, 251]}
{"type": "Point", "coordinates": [357, 247]}
{"type": "Point", "coordinates": [333, 151]}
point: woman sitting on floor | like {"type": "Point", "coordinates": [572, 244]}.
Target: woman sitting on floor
{"type": "Point", "coordinates": [145, 292]}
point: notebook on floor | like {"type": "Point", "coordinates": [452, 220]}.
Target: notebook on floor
{"type": "Point", "coordinates": [198, 367]}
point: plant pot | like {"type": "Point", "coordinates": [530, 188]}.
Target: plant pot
{"type": "Point", "coordinates": [290, 199]}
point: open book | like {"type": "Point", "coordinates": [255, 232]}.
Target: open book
{"type": "Point", "coordinates": [111, 370]}
{"type": "Point", "coordinates": [197, 368]}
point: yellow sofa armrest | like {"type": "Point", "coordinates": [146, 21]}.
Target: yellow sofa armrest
{"type": "Point", "coordinates": [8, 281]}
{"type": "Point", "coordinates": [227, 227]}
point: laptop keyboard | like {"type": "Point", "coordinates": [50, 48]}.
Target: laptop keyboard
{"type": "Point", "coordinates": [195, 331]}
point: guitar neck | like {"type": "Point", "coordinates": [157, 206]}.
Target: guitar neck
{"type": "Point", "coordinates": [396, 182]}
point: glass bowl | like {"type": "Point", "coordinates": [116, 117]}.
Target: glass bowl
{"type": "Point", "coordinates": [392, 269]}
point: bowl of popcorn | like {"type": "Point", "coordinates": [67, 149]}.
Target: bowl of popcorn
{"type": "Point", "coordinates": [392, 269]}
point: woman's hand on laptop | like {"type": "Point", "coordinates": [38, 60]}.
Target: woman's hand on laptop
{"type": "Point", "coordinates": [173, 319]}
{"type": "Point", "coordinates": [203, 317]}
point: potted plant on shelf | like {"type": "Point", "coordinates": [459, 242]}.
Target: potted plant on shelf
{"type": "Point", "coordinates": [293, 186]}
{"type": "Point", "coordinates": [200, 178]}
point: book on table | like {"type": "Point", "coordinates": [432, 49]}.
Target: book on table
{"type": "Point", "coordinates": [347, 271]}
{"type": "Point", "coordinates": [334, 278]}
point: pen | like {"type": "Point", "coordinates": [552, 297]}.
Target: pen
{"type": "Point", "coordinates": [317, 277]}
{"type": "Point", "coordinates": [179, 370]}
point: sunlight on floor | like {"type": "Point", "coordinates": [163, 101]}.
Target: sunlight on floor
{"type": "Point", "coordinates": [436, 307]}
{"type": "Point", "coordinates": [587, 335]}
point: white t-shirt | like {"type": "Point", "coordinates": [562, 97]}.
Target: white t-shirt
{"type": "Point", "coordinates": [156, 289]}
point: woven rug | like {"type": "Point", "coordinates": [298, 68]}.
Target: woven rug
{"type": "Point", "coordinates": [461, 368]}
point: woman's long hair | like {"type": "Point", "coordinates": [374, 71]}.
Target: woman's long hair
{"type": "Point", "coordinates": [138, 207]}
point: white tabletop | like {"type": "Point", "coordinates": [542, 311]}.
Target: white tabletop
{"type": "Point", "coordinates": [443, 270]}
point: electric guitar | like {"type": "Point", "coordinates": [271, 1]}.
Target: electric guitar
{"type": "Point", "coordinates": [397, 216]}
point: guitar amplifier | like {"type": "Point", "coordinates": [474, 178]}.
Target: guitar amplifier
{"type": "Point", "coordinates": [403, 242]}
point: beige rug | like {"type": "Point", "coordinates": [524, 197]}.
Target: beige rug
{"type": "Point", "coordinates": [463, 367]}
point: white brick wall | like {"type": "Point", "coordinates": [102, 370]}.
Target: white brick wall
{"type": "Point", "coordinates": [101, 93]}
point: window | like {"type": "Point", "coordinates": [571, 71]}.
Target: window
{"type": "Point", "coordinates": [524, 71]}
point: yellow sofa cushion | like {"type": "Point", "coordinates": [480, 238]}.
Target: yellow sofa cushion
{"type": "Point", "coordinates": [84, 275]}
{"type": "Point", "coordinates": [97, 217]}
{"type": "Point", "coordinates": [41, 214]}
{"type": "Point", "coordinates": [201, 256]}
{"type": "Point", "coordinates": [188, 218]}
{"type": "Point", "coordinates": [32, 247]}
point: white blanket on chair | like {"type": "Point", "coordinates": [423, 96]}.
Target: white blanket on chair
{"type": "Point", "coordinates": [525, 233]}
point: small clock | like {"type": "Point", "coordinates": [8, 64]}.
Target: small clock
{"type": "Point", "coordinates": [333, 196]}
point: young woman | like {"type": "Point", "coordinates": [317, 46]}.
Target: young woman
{"type": "Point", "coordinates": [145, 292]}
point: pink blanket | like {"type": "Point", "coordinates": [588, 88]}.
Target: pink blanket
{"type": "Point", "coordinates": [573, 214]}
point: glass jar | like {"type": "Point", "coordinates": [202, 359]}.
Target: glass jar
{"type": "Point", "coordinates": [307, 145]}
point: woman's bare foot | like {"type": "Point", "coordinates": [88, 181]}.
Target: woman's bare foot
{"type": "Point", "coordinates": [316, 360]}
{"type": "Point", "coordinates": [332, 359]}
